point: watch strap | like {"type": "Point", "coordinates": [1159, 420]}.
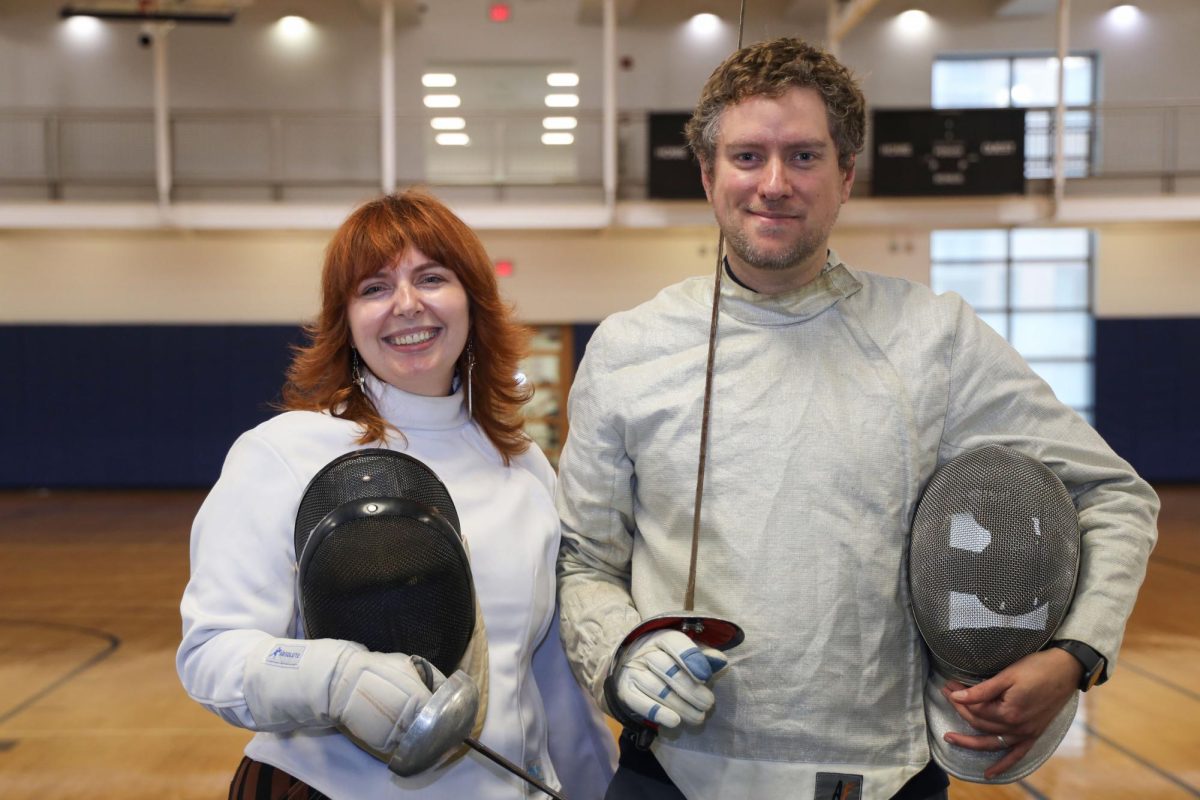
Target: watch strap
{"type": "Point", "coordinates": [1093, 663]}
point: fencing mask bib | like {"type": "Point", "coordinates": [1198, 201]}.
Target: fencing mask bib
{"type": "Point", "coordinates": [382, 563]}
{"type": "Point", "coordinates": [993, 560]}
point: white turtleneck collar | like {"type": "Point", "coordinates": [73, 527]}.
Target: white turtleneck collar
{"type": "Point", "coordinates": [411, 412]}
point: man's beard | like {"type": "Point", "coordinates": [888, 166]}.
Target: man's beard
{"type": "Point", "coordinates": [777, 260]}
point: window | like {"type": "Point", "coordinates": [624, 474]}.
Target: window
{"type": "Point", "coordinates": [1027, 82]}
{"type": "Point", "coordinates": [1033, 286]}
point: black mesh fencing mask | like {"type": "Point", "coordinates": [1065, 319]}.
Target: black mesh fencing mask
{"type": "Point", "coordinates": [382, 563]}
{"type": "Point", "coordinates": [993, 560]}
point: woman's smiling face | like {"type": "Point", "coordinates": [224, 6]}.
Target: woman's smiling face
{"type": "Point", "coordinates": [410, 323]}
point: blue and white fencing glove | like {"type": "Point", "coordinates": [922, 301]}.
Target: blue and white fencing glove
{"type": "Point", "coordinates": [663, 678]}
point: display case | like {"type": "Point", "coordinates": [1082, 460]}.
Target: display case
{"type": "Point", "coordinates": [549, 367]}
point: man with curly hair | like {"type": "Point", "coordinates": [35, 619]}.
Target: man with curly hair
{"type": "Point", "coordinates": [836, 394]}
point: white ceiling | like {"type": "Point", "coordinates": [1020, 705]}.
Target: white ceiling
{"type": "Point", "coordinates": [654, 12]}
{"type": "Point", "coordinates": [629, 12]}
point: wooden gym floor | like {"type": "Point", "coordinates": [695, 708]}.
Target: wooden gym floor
{"type": "Point", "coordinates": [90, 706]}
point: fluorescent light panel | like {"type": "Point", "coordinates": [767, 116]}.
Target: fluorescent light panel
{"type": "Point", "coordinates": [438, 80]}
{"type": "Point", "coordinates": [442, 101]}
{"type": "Point", "coordinates": [448, 123]}
{"type": "Point", "coordinates": [558, 138]}
{"type": "Point", "coordinates": [559, 123]}
{"type": "Point", "coordinates": [562, 79]}
{"type": "Point", "coordinates": [453, 139]}
{"type": "Point", "coordinates": [562, 100]}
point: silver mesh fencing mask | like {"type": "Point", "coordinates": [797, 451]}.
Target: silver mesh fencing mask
{"type": "Point", "coordinates": [993, 560]}
{"type": "Point", "coordinates": [382, 563]}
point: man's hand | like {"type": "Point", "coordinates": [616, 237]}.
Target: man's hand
{"type": "Point", "coordinates": [663, 678]}
{"type": "Point", "coordinates": [1013, 708]}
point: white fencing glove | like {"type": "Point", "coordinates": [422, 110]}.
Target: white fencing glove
{"type": "Point", "coordinates": [307, 683]}
{"type": "Point", "coordinates": [663, 676]}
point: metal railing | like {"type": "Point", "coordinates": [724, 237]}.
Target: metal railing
{"type": "Point", "coordinates": [281, 155]}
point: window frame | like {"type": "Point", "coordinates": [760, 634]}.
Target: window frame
{"type": "Point", "coordinates": [1009, 262]}
{"type": "Point", "coordinates": [1077, 165]}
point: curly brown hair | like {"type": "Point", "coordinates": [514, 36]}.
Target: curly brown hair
{"type": "Point", "coordinates": [771, 68]}
{"type": "Point", "coordinates": [371, 238]}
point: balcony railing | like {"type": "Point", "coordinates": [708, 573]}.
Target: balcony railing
{"type": "Point", "coordinates": [287, 155]}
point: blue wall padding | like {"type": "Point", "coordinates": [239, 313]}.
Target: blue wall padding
{"type": "Point", "coordinates": [1147, 387]}
{"type": "Point", "coordinates": [133, 405]}
{"type": "Point", "coordinates": [159, 405]}
{"type": "Point", "coordinates": [581, 334]}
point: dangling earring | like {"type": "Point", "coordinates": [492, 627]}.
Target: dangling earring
{"type": "Point", "coordinates": [470, 375]}
{"type": "Point", "coordinates": [355, 373]}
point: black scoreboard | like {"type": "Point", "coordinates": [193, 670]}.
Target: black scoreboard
{"type": "Point", "coordinates": [673, 173]}
{"type": "Point", "coordinates": [969, 151]}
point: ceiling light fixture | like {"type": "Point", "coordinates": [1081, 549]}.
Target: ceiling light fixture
{"type": "Point", "coordinates": [562, 100]}
{"type": "Point", "coordinates": [293, 27]}
{"type": "Point", "coordinates": [442, 101]}
{"type": "Point", "coordinates": [913, 21]}
{"type": "Point", "coordinates": [1124, 15]}
{"type": "Point", "coordinates": [704, 24]}
{"type": "Point", "coordinates": [82, 29]}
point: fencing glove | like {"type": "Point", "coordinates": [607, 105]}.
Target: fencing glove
{"type": "Point", "coordinates": [662, 678]}
{"type": "Point", "coordinates": [372, 697]}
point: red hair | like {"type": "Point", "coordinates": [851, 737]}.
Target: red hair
{"type": "Point", "coordinates": [372, 238]}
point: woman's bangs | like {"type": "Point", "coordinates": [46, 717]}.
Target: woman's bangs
{"type": "Point", "coordinates": [379, 248]}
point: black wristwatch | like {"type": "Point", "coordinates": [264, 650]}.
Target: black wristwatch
{"type": "Point", "coordinates": [1093, 663]}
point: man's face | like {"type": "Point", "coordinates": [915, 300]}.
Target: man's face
{"type": "Point", "coordinates": [775, 186]}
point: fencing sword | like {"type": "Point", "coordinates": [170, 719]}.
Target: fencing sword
{"type": "Point", "coordinates": [714, 632]}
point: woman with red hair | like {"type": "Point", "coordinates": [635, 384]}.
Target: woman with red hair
{"type": "Point", "coordinates": [413, 350]}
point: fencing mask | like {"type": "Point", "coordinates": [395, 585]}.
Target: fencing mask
{"type": "Point", "coordinates": [993, 560]}
{"type": "Point", "coordinates": [382, 563]}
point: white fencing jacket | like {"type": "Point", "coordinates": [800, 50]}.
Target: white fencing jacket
{"type": "Point", "coordinates": [832, 405]}
{"type": "Point", "coordinates": [242, 591]}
